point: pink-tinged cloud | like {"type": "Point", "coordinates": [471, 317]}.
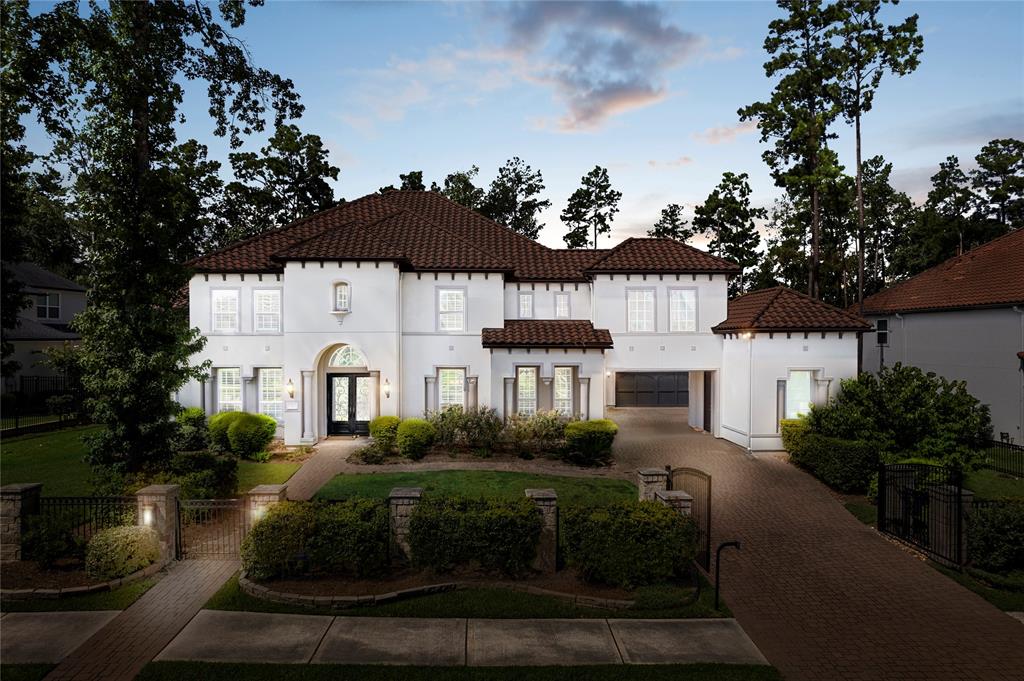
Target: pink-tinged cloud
{"type": "Point", "coordinates": [671, 163]}
{"type": "Point", "coordinates": [725, 134]}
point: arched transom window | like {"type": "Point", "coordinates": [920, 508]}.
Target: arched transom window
{"type": "Point", "coordinates": [347, 356]}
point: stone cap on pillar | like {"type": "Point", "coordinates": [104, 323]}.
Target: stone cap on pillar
{"type": "Point", "coordinates": [270, 490]}
{"type": "Point", "coordinates": [672, 495]}
{"type": "Point", "coordinates": [546, 494]}
{"type": "Point", "coordinates": [159, 491]}
{"type": "Point", "coordinates": [652, 473]}
{"type": "Point", "coordinates": [20, 488]}
{"type": "Point", "coordinates": [406, 493]}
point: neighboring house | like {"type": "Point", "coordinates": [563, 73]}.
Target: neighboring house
{"type": "Point", "coordinates": [964, 320]}
{"type": "Point", "coordinates": [406, 303]}
{"type": "Point", "coordinates": [53, 303]}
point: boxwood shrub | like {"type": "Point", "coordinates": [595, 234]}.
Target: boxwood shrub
{"type": "Point", "coordinates": [793, 432]}
{"type": "Point", "coordinates": [628, 544]}
{"type": "Point", "coordinates": [479, 428]}
{"type": "Point", "coordinates": [384, 431]}
{"type": "Point", "coordinates": [218, 425]}
{"type": "Point", "coordinates": [415, 437]}
{"type": "Point", "coordinates": [339, 538]}
{"type": "Point", "coordinates": [995, 537]}
{"type": "Point", "coordinates": [192, 431]}
{"type": "Point", "coordinates": [119, 551]}
{"type": "Point", "coordinates": [589, 443]}
{"type": "Point", "coordinates": [845, 465]}
{"type": "Point", "coordinates": [250, 434]}
{"type": "Point", "coordinates": [498, 535]}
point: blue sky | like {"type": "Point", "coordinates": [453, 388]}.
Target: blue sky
{"type": "Point", "coordinates": [648, 90]}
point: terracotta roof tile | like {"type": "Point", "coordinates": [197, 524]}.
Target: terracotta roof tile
{"type": "Point", "coordinates": [991, 275]}
{"type": "Point", "coordinates": [783, 309]}
{"type": "Point", "coordinates": [547, 333]}
{"type": "Point", "coordinates": [660, 256]}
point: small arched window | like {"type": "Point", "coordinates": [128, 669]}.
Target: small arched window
{"type": "Point", "coordinates": [347, 356]}
{"type": "Point", "coordinates": [342, 297]}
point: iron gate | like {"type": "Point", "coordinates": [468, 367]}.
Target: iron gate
{"type": "Point", "coordinates": [923, 505]}
{"type": "Point", "coordinates": [697, 484]}
{"type": "Point", "coordinates": [210, 528]}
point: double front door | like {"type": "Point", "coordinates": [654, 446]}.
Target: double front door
{"type": "Point", "coordinates": [348, 404]}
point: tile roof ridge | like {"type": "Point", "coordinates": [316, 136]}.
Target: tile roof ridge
{"type": "Point", "coordinates": [771, 300]}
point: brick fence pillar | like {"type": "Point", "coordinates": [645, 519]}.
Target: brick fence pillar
{"type": "Point", "coordinates": [17, 502]}
{"type": "Point", "coordinates": [401, 503]}
{"type": "Point", "coordinates": [547, 547]}
{"type": "Point", "coordinates": [158, 508]}
{"type": "Point", "coordinates": [650, 481]}
{"type": "Point", "coordinates": [260, 498]}
{"type": "Point", "coordinates": [676, 499]}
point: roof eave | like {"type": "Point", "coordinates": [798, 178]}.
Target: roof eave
{"type": "Point", "coordinates": [957, 308]}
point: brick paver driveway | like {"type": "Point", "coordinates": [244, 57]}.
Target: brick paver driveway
{"type": "Point", "coordinates": [823, 596]}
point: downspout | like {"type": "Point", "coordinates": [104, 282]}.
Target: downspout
{"type": "Point", "coordinates": [750, 391]}
{"type": "Point", "coordinates": [398, 342]}
{"type": "Point", "coordinates": [903, 336]}
{"type": "Point", "coordinates": [1020, 424]}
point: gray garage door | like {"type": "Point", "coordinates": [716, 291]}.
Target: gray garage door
{"type": "Point", "coordinates": [652, 389]}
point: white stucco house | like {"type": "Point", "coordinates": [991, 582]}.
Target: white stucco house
{"type": "Point", "coordinates": [404, 303]}
{"type": "Point", "coordinates": [964, 320]}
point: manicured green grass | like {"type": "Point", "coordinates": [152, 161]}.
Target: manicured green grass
{"type": "Point", "coordinates": [499, 484]}
{"type": "Point", "coordinates": [205, 671]}
{"type": "Point", "coordinates": [990, 484]}
{"type": "Point", "coordinates": [866, 513]}
{"type": "Point", "coordinates": [251, 473]}
{"type": "Point", "coordinates": [1004, 599]}
{"type": "Point", "coordinates": [119, 599]}
{"type": "Point", "coordinates": [55, 458]}
{"type": "Point", "coordinates": [24, 672]}
{"type": "Point", "coordinates": [656, 602]}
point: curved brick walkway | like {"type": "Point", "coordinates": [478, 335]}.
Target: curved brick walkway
{"type": "Point", "coordinates": [822, 595]}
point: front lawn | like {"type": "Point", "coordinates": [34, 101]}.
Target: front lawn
{"type": "Point", "coordinates": [989, 484]}
{"type": "Point", "coordinates": [55, 458]}
{"type": "Point", "coordinates": [209, 671]}
{"type": "Point", "coordinates": [496, 484]}
{"type": "Point", "coordinates": [490, 603]}
{"type": "Point", "coordinates": [118, 599]}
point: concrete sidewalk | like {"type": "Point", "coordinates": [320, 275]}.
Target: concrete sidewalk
{"type": "Point", "coordinates": [218, 636]}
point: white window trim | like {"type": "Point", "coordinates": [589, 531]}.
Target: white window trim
{"type": "Point", "coordinates": [260, 402]}
{"type": "Point", "coordinates": [334, 296]}
{"type": "Point", "coordinates": [465, 385]}
{"type": "Point", "coordinates": [280, 310]}
{"type": "Point", "coordinates": [696, 307]}
{"type": "Point", "coordinates": [214, 331]}
{"type": "Point", "coordinates": [572, 389]}
{"type": "Point", "coordinates": [654, 307]}
{"type": "Point", "coordinates": [241, 390]}
{"type": "Point", "coordinates": [812, 384]}
{"type": "Point", "coordinates": [568, 304]}
{"type": "Point", "coordinates": [437, 309]}
{"type": "Point", "coordinates": [536, 387]}
{"type": "Point", "coordinates": [47, 306]}
{"type": "Point", "coordinates": [520, 296]}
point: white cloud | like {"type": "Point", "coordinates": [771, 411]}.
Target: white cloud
{"type": "Point", "coordinates": [671, 163]}
{"type": "Point", "coordinates": [725, 134]}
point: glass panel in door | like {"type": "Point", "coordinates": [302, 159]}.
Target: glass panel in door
{"type": "Point", "coordinates": [362, 398]}
{"type": "Point", "coordinates": [339, 410]}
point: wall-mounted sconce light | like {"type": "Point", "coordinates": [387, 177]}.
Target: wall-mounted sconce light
{"type": "Point", "coordinates": [147, 516]}
{"type": "Point", "coordinates": [607, 374]}
{"type": "Point", "coordinates": [387, 388]}
{"type": "Point", "coordinates": [290, 388]}
{"type": "Point", "coordinates": [745, 335]}
{"type": "Point", "coordinates": [258, 511]}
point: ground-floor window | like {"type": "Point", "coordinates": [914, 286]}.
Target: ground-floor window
{"type": "Point", "coordinates": [229, 389]}
{"type": "Point", "coordinates": [271, 386]}
{"type": "Point", "coordinates": [798, 393]}
{"type": "Point", "coordinates": [451, 388]}
{"type": "Point", "coordinates": [526, 391]}
{"type": "Point", "coordinates": [563, 390]}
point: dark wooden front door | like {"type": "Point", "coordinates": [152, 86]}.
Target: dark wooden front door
{"type": "Point", "coordinates": [348, 404]}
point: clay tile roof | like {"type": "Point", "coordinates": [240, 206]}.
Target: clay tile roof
{"type": "Point", "coordinates": [547, 333]}
{"type": "Point", "coordinates": [991, 275]}
{"type": "Point", "coordinates": [349, 241]}
{"type": "Point", "coordinates": [783, 309]}
{"type": "Point", "coordinates": [661, 256]}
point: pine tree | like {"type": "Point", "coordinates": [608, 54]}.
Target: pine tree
{"type": "Point", "coordinates": [728, 220]}
{"type": "Point", "coordinates": [671, 225]}
{"type": "Point", "coordinates": [591, 209]}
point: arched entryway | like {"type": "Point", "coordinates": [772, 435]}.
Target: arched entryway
{"type": "Point", "coordinates": [347, 395]}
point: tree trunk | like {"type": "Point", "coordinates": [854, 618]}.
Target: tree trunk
{"type": "Point", "coordinates": [812, 275]}
{"type": "Point", "coordinates": [860, 218]}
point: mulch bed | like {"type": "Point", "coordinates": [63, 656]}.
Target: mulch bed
{"type": "Point", "coordinates": [25, 574]}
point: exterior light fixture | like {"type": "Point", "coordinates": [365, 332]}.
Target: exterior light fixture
{"type": "Point", "coordinates": [147, 516]}
{"type": "Point", "coordinates": [290, 388]}
{"type": "Point", "coordinates": [258, 511]}
{"type": "Point", "coordinates": [387, 388]}
{"type": "Point", "coordinates": [607, 374]}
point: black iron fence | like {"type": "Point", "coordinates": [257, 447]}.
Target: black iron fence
{"type": "Point", "coordinates": [210, 528]}
{"type": "Point", "coordinates": [38, 401]}
{"type": "Point", "coordinates": [1004, 457]}
{"type": "Point", "coordinates": [83, 517]}
{"type": "Point", "coordinates": [697, 484]}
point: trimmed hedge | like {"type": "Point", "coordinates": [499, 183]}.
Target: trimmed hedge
{"type": "Point", "coordinates": [478, 428]}
{"type": "Point", "coordinates": [995, 537]}
{"type": "Point", "coordinates": [415, 437]}
{"type": "Point", "coordinates": [192, 432]}
{"type": "Point", "coordinates": [498, 535]}
{"type": "Point", "coordinates": [119, 551]}
{"type": "Point", "coordinates": [218, 425]}
{"type": "Point", "coordinates": [384, 431]}
{"type": "Point", "coordinates": [250, 434]}
{"type": "Point", "coordinates": [295, 538]}
{"type": "Point", "coordinates": [793, 432]}
{"type": "Point", "coordinates": [629, 544]}
{"type": "Point", "coordinates": [845, 465]}
{"type": "Point", "coordinates": [589, 443]}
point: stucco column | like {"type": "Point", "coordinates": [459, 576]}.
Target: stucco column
{"type": "Point", "coordinates": [472, 392]}
{"type": "Point", "coordinates": [260, 498]}
{"type": "Point", "coordinates": [401, 503]}
{"type": "Point", "coordinates": [510, 397]}
{"type": "Point", "coordinates": [430, 396]}
{"type": "Point", "coordinates": [374, 394]}
{"type": "Point", "coordinates": [250, 393]}
{"type": "Point", "coordinates": [585, 398]}
{"type": "Point", "coordinates": [17, 502]}
{"type": "Point", "coordinates": [158, 508]}
{"type": "Point", "coordinates": [546, 393]}
{"type": "Point", "coordinates": [650, 481]}
{"type": "Point", "coordinates": [308, 401]}
{"type": "Point", "coordinates": [546, 501]}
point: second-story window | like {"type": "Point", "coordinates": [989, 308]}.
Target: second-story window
{"type": "Point", "coordinates": [48, 306]}
{"type": "Point", "coordinates": [561, 305]}
{"type": "Point", "coordinates": [451, 309]}
{"type": "Point", "coordinates": [640, 309]}
{"type": "Point", "coordinates": [225, 310]}
{"type": "Point", "coordinates": [266, 311]}
{"type": "Point", "coordinates": [525, 305]}
{"type": "Point", "coordinates": [682, 308]}
{"type": "Point", "coordinates": [882, 327]}
{"type": "Point", "coordinates": [342, 297]}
